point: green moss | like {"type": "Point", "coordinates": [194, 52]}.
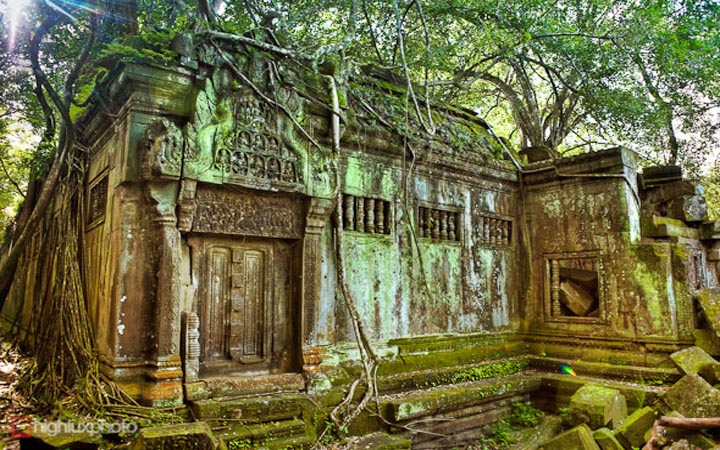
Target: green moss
{"type": "Point", "coordinates": [494, 370]}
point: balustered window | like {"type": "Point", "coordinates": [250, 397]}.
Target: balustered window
{"type": "Point", "coordinates": [574, 285]}
{"type": "Point", "coordinates": [438, 224]}
{"type": "Point", "coordinates": [366, 214]}
{"type": "Point", "coordinates": [494, 231]}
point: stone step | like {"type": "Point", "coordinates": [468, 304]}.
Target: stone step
{"type": "Point", "coordinates": [258, 432]}
{"type": "Point", "coordinates": [414, 405]}
{"type": "Point", "coordinates": [381, 441]}
{"type": "Point", "coordinates": [291, 443]}
{"type": "Point", "coordinates": [422, 379]}
{"type": "Point", "coordinates": [257, 409]}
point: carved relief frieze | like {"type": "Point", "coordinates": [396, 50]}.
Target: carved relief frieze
{"type": "Point", "coordinates": [98, 200]}
{"type": "Point", "coordinates": [258, 214]}
{"type": "Point", "coordinates": [256, 151]}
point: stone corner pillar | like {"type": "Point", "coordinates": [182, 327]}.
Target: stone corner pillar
{"type": "Point", "coordinates": [317, 218]}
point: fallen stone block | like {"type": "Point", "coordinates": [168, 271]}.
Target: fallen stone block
{"type": "Point", "coordinates": [691, 360]}
{"type": "Point", "coordinates": [631, 432]}
{"type": "Point", "coordinates": [692, 396]}
{"type": "Point", "coordinates": [195, 436]}
{"type": "Point", "coordinates": [606, 439]}
{"type": "Point", "coordinates": [709, 300]}
{"type": "Point", "coordinates": [578, 438]}
{"type": "Point", "coordinates": [598, 406]}
{"type": "Point", "coordinates": [577, 299]}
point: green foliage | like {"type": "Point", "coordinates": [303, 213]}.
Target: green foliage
{"type": "Point", "coordinates": [526, 416]}
{"type": "Point", "coordinates": [711, 183]}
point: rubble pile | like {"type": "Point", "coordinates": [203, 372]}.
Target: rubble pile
{"type": "Point", "coordinates": [686, 417]}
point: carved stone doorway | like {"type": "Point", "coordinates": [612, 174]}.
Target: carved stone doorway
{"type": "Point", "coordinates": [245, 305]}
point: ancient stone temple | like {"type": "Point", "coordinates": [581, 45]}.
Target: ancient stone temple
{"type": "Point", "coordinates": [211, 259]}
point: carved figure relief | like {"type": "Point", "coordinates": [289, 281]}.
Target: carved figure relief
{"type": "Point", "coordinates": [162, 150]}
{"type": "Point", "coordinates": [256, 151]}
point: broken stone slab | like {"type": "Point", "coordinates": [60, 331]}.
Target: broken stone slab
{"type": "Point", "coordinates": [575, 298]}
{"type": "Point", "coordinates": [606, 439]}
{"type": "Point", "coordinates": [691, 360]}
{"type": "Point", "coordinates": [632, 431]}
{"type": "Point", "coordinates": [598, 406]}
{"type": "Point", "coordinates": [193, 436]}
{"type": "Point", "coordinates": [709, 300]}
{"type": "Point", "coordinates": [688, 208]}
{"type": "Point", "coordinates": [692, 396]}
{"type": "Point", "coordinates": [577, 438]}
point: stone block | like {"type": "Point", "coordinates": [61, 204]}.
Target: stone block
{"type": "Point", "coordinates": [688, 208]}
{"type": "Point", "coordinates": [691, 360]}
{"type": "Point", "coordinates": [575, 298]}
{"type": "Point", "coordinates": [598, 406]}
{"type": "Point", "coordinates": [632, 431]}
{"type": "Point", "coordinates": [692, 396]}
{"type": "Point", "coordinates": [709, 300]}
{"type": "Point", "coordinates": [606, 439]}
{"type": "Point", "coordinates": [191, 436]}
{"type": "Point", "coordinates": [577, 438]}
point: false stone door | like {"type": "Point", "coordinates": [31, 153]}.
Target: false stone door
{"type": "Point", "coordinates": [243, 305]}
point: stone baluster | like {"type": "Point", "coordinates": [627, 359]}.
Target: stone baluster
{"type": "Point", "coordinates": [349, 212]}
{"type": "Point", "coordinates": [506, 232]}
{"type": "Point", "coordinates": [380, 216]}
{"type": "Point", "coordinates": [555, 287]}
{"type": "Point", "coordinates": [428, 222]}
{"type": "Point", "coordinates": [369, 215]}
{"type": "Point", "coordinates": [360, 214]}
{"type": "Point", "coordinates": [452, 218]}
{"type": "Point", "coordinates": [192, 346]}
{"type": "Point", "coordinates": [421, 222]}
{"type": "Point", "coordinates": [486, 230]}
{"type": "Point", "coordinates": [443, 225]}
{"type": "Point", "coordinates": [435, 224]}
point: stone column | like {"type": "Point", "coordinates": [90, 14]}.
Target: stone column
{"type": "Point", "coordinates": [317, 218]}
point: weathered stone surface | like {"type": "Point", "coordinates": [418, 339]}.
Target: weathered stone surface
{"type": "Point", "coordinates": [577, 299]}
{"type": "Point", "coordinates": [606, 439]}
{"type": "Point", "coordinates": [62, 441]}
{"type": "Point", "coordinates": [191, 436]}
{"type": "Point", "coordinates": [688, 208]}
{"type": "Point", "coordinates": [598, 406]}
{"type": "Point", "coordinates": [691, 360]}
{"type": "Point", "coordinates": [692, 396]}
{"type": "Point", "coordinates": [632, 430]}
{"type": "Point", "coordinates": [578, 438]}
